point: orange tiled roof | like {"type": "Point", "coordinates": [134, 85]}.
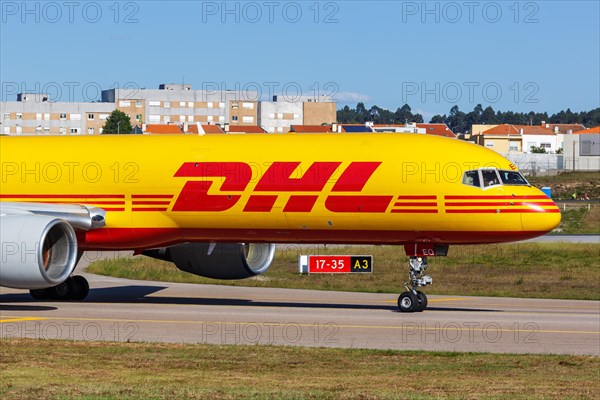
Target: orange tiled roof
{"type": "Point", "coordinates": [246, 129]}
{"type": "Point", "coordinates": [192, 128]}
{"type": "Point", "coordinates": [504, 129]}
{"type": "Point", "coordinates": [565, 128]}
{"type": "Point", "coordinates": [212, 129]}
{"type": "Point", "coordinates": [595, 129]}
{"type": "Point", "coordinates": [535, 130]}
{"type": "Point", "coordinates": [508, 129]}
{"type": "Point", "coordinates": [437, 129]}
{"type": "Point", "coordinates": [310, 128]}
{"type": "Point", "coordinates": [163, 129]}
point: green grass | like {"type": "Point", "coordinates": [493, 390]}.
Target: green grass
{"type": "Point", "coordinates": [566, 183]}
{"type": "Point", "coordinates": [578, 219]}
{"type": "Point", "coordinates": [539, 270]}
{"type": "Point", "coordinates": [94, 370]}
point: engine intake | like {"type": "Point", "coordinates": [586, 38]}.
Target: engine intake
{"type": "Point", "coordinates": [218, 261]}
{"type": "Point", "coordinates": [38, 251]}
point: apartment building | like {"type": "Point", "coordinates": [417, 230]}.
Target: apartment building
{"type": "Point", "coordinates": [508, 138]}
{"type": "Point", "coordinates": [279, 115]}
{"type": "Point", "coordinates": [33, 114]}
{"type": "Point", "coordinates": [179, 103]}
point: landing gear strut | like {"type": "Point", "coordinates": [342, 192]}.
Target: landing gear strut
{"type": "Point", "coordinates": [74, 288]}
{"type": "Point", "coordinates": [413, 300]}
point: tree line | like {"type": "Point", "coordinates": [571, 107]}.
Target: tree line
{"type": "Point", "coordinates": [460, 122]}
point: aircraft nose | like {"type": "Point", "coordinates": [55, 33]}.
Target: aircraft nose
{"type": "Point", "coordinates": [540, 216]}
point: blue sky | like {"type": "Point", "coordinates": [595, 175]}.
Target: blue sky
{"type": "Point", "coordinates": [520, 56]}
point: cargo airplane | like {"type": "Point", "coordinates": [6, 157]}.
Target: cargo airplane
{"type": "Point", "coordinates": [216, 205]}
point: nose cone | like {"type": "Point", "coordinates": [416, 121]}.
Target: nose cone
{"type": "Point", "coordinates": [540, 214]}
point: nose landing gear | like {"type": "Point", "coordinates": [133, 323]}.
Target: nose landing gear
{"type": "Point", "coordinates": [414, 300]}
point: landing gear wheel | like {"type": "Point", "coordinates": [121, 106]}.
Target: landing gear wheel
{"type": "Point", "coordinates": [422, 298]}
{"type": "Point", "coordinates": [79, 287]}
{"type": "Point", "coordinates": [40, 294]}
{"type": "Point", "coordinates": [408, 302]}
{"type": "Point", "coordinates": [61, 291]}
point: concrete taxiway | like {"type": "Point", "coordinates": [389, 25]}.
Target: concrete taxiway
{"type": "Point", "coordinates": [126, 310]}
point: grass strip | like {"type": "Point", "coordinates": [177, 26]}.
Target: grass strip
{"type": "Point", "coordinates": [98, 370]}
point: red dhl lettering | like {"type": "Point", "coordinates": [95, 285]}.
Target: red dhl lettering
{"type": "Point", "coordinates": [236, 176]}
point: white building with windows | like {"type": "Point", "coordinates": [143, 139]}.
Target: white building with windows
{"type": "Point", "coordinates": [35, 115]}
{"type": "Point", "coordinates": [548, 141]}
{"type": "Point", "coordinates": [178, 104]}
{"type": "Point", "coordinates": [279, 115]}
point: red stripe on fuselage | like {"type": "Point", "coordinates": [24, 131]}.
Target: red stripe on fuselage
{"type": "Point", "coordinates": [416, 198]}
{"type": "Point", "coordinates": [144, 238]}
{"type": "Point", "coordinates": [151, 203]}
{"type": "Point", "coordinates": [501, 211]}
{"type": "Point", "coordinates": [496, 197]}
{"type": "Point", "coordinates": [411, 204]}
{"type": "Point", "coordinates": [503, 203]}
{"type": "Point", "coordinates": [358, 204]}
{"type": "Point", "coordinates": [151, 196]}
{"type": "Point", "coordinates": [414, 211]}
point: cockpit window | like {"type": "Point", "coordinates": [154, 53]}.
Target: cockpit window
{"type": "Point", "coordinates": [512, 178]}
{"type": "Point", "coordinates": [490, 178]}
{"type": "Point", "coordinates": [486, 177]}
{"type": "Point", "coordinates": [471, 178]}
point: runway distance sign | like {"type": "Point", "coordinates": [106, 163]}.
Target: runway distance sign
{"type": "Point", "coordinates": [343, 264]}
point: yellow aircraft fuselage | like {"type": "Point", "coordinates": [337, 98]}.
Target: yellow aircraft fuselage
{"type": "Point", "coordinates": [315, 188]}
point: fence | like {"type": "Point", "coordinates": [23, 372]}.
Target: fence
{"type": "Point", "coordinates": [538, 164]}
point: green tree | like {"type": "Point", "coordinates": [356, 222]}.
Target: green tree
{"type": "Point", "coordinates": [117, 122]}
{"type": "Point", "coordinates": [488, 116]}
{"type": "Point", "coordinates": [438, 119]}
{"type": "Point", "coordinates": [538, 150]}
{"type": "Point", "coordinates": [456, 121]}
{"type": "Point", "coordinates": [403, 114]}
{"type": "Point", "coordinates": [362, 114]}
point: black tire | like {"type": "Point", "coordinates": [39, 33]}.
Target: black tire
{"type": "Point", "coordinates": [61, 291]}
{"type": "Point", "coordinates": [408, 302]}
{"type": "Point", "coordinates": [422, 298]}
{"type": "Point", "coordinates": [79, 287]}
{"type": "Point", "coordinates": [40, 294]}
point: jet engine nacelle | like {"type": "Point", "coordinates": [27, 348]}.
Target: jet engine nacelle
{"type": "Point", "coordinates": [38, 251]}
{"type": "Point", "coordinates": [218, 260]}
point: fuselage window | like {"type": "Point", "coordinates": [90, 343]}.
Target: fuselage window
{"type": "Point", "coordinates": [490, 178]}
{"type": "Point", "coordinates": [471, 178]}
{"type": "Point", "coordinates": [512, 178]}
